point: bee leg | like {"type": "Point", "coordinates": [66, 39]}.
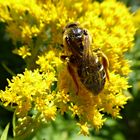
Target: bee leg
{"type": "Point", "coordinates": [72, 73]}
{"type": "Point", "coordinates": [105, 62]}
{"type": "Point", "coordinates": [69, 59]}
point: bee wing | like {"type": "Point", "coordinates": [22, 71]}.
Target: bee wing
{"type": "Point", "coordinates": [87, 52]}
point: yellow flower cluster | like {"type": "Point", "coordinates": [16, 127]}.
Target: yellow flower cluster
{"type": "Point", "coordinates": [27, 89]}
{"type": "Point", "coordinates": [49, 61]}
{"type": "Point", "coordinates": [28, 92]}
{"type": "Point", "coordinates": [38, 26]}
{"type": "Point", "coordinates": [23, 51]}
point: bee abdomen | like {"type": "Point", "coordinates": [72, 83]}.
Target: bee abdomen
{"type": "Point", "coordinates": [93, 77]}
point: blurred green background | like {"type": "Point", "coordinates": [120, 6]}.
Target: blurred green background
{"type": "Point", "coordinates": [127, 128]}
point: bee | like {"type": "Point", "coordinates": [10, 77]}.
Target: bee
{"type": "Point", "coordinates": [85, 65]}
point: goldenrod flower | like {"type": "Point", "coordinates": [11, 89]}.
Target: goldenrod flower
{"type": "Point", "coordinates": [75, 110]}
{"type": "Point", "coordinates": [63, 97]}
{"type": "Point", "coordinates": [46, 87]}
{"type": "Point", "coordinates": [24, 89]}
{"type": "Point", "coordinates": [49, 61]}
{"type": "Point", "coordinates": [84, 128]}
{"type": "Point", "coordinates": [22, 51]}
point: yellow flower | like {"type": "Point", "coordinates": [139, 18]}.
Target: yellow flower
{"type": "Point", "coordinates": [84, 129]}
{"type": "Point", "coordinates": [14, 32]}
{"type": "Point", "coordinates": [98, 120]}
{"type": "Point", "coordinates": [29, 32]}
{"type": "Point", "coordinates": [24, 89]}
{"type": "Point", "coordinates": [22, 51]}
{"type": "Point", "coordinates": [50, 113]}
{"type": "Point", "coordinates": [75, 110]}
{"type": "Point", "coordinates": [49, 88]}
{"type": "Point", "coordinates": [63, 97]}
{"type": "Point", "coordinates": [49, 61]}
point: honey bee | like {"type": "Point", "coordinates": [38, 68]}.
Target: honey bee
{"type": "Point", "coordinates": [84, 64]}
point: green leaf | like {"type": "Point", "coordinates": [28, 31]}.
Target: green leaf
{"type": "Point", "coordinates": [5, 132]}
{"type": "Point", "coordinates": [13, 123]}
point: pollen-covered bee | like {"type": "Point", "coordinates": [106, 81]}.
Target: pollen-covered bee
{"type": "Point", "coordinates": [86, 66]}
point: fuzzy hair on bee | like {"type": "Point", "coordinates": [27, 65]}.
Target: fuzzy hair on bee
{"type": "Point", "coordinates": [84, 63]}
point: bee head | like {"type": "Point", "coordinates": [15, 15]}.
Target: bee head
{"type": "Point", "coordinates": [74, 36]}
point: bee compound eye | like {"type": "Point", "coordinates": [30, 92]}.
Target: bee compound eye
{"type": "Point", "coordinates": [85, 32]}
{"type": "Point", "coordinates": [66, 38]}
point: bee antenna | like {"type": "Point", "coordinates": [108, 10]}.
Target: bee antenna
{"type": "Point", "coordinates": [71, 25]}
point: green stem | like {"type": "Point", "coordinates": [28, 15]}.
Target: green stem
{"type": "Point", "coordinates": [34, 53]}
{"type": "Point", "coordinates": [7, 69]}
{"type": "Point", "coordinates": [14, 123]}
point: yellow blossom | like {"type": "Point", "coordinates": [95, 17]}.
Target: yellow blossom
{"type": "Point", "coordinates": [63, 97]}
{"type": "Point", "coordinates": [48, 88]}
{"type": "Point", "coordinates": [98, 120]}
{"type": "Point", "coordinates": [50, 113]}
{"type": "Point", "coordinates": [23, 51]}
{"type": "Point", "coordinates": [49, 61]}
{"type": "Point", "coordinates": [84, 129]}
{"type": "Point", "coordinates": [14, 32]}
{"type": "Point", "coordinates": [27, 88]}
{"type": "Point", "coordinates": [75, 110]}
